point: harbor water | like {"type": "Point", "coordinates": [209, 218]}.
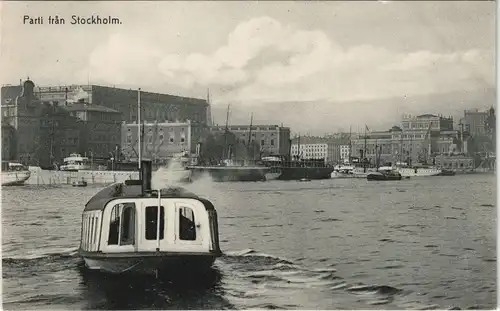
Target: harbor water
{"type": "Point", "coordinates": [422, 243]}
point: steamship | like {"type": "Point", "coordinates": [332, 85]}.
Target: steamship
{"type": "Point", "coordinates": [130, 228]}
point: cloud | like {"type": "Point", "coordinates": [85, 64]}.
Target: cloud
{"type": "Point", "coordinates": [263, 60]}
{"type": "Point", "coordinates": [315, 67]}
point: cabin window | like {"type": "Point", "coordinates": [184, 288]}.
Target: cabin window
{"type": "Point", "coordinates": [114, 225]}
{"type": "Point", "coordinates": [127, 236]}
{"type": "Point", "coordinates": [151, 217]}
{"type": "Point", "coordinates": [187, 229]}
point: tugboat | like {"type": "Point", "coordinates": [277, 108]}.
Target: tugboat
{"type": "Point", "coordinates": [123, 232]}
{"type": "Point", "coordinates": [384, 173]}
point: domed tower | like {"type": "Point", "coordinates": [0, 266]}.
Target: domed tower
{"type": "Point", "coordinates": [28, 88]}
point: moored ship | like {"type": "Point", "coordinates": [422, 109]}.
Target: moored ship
{"type": "Point", "coordinates": [14, 174]}
{"type": "Point", "coordinates": [230, 171]}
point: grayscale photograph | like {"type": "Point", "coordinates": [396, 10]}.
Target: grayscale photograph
{"type": "Point", "coordinates": [248, 155]}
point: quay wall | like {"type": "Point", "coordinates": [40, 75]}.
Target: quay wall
{"type": "Point", "coordinates": [46, 177]}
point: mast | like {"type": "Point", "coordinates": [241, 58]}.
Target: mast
{"type": "Point", "coordinates": [364, 152]}
{"type": "Point", "coordinates": [298, 147]}
{"type": "Point", "coordinates": [139, 127]}
{"type": "Point", "coordinates": [225, 131]}
{"type": "Point", "coordinates": [350, 145]}
{"type": "Point", "coordinates": [376, 154]}
{"type": "Point", "coordinates": [250, 135]}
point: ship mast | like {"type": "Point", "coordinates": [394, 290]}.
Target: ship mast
{"type": "Point", "coordinates": [250, 136]}
{"type": "Point", "coordinates": [350, 146]}
{"type": "Point", "coordinates": [225, 133]}
{"type": "Point", "coordinates": [139, 129]}
{"type": "Point", "coordinates": [364, 152]}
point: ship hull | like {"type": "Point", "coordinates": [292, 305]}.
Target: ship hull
{"type": "Point", "coordinates": [419, 172]}
{"type": "Point", "coordinates": [150, 264]}
{"type": "Point", "coordinates": [313, 173]}
{"type": "Point", "coordinates": [381, 177]}
{"type": "Point", "coordinates": [17, 178]}
{"type": "Point", "coordinates": [224, 173]}
{"type": "Point", "coordinates": [339, 175]}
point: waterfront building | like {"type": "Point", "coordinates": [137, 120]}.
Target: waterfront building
{"type": "Point", "coordinates": [8, 142]}
{"type": "Point", "coordinates": [99, 127]}
{"type": "Point", "coordinates": [160, 140]}
{"type": "Point", "coordinates": [47, 131]}
{"type": "Point", "coordinates": [155, 106]}
{"type": "Point", "coordinates": [344, 153]}
{"type": "Point", "coordinates": [317, 148]}
{"type": "Point", "coordinates": [273, 139]}
{"type": "Point", "coordinates": [474, 121]}
{"type": "Point", "coordinates": [21, 110]}
{"type": "Point", "coordinates": [374, 144]}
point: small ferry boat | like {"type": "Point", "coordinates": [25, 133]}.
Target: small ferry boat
{"type": "Point", "coordinates": [79, 183]}
{"type": "Point", "coordinates": [75, 162]}
{"type": "Point", "coordinates": [130, 228]}
{"type": "Point", "coordinates": [384, 173]}
{"type": "Point", "coordinates": [14, 173]}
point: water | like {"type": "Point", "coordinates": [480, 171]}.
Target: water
{"type": "Point", "coordinates": [425, 243]}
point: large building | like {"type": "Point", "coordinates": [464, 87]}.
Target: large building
{"type": "Point", "coordinates": [273, 139]}
{"type": "Point", "coordinates": [8, 142]}
{"type": "Point", "coordinates": [99, 127]}
{"type": "Point", "coordinates": [474, 122]}
{"type": "Point", "coordinates": [154, 106]}
{"type": "Point", "coordinates": [47, 131]}
{"type": "Point", "coordinates": [417, 140]}
{"type": "Point", "coordinates": [329, 149]}
{"type": "Point", "coordinates": [22, 110]}
{"type": "Point", "coordinates": [160, 141]}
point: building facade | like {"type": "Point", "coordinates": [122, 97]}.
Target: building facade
{"type": "Point", "coordinates": [344, 153]}
{"type": "Point", "coordinates": [21, 110]}
{"type": "Point", "coordinates": [160, 141]}
{"type": "Point", "coordinates": [99, 127]}
{"type": "Point", "coordinates": [273, 139]}
{"type": "Point", "coordinates": [8, 142]}
{"type": "Point", "coordinates": [317, 148]}
{"type": "Point", "coordinates": [154, 106]}
{"type": "Point", "coordinates": [46, 131]}
{"type": "Point", "coordinates": [474, 122]}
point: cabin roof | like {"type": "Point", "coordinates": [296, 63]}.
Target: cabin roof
{"type": "Point", "coordinates": [122, 191]}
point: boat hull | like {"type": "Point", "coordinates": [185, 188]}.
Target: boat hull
{"type": "Point", "coordinates": [224, 173]}
{"type": "Point", "coordinates": [339, 175]}
{"type": "Point", "coordinates": [382, 177]}
{"type": "Point", "coordinates": [419, 172]}
{"type": "Point", "coordinates": [16, 178]}
{"type": "Point", "coordinates": [150, 264]}
{"type": "Point", "coordinates": [313, 173]}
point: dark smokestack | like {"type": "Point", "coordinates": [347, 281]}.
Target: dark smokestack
{"type": "Point", "coordinates": [146, 173]}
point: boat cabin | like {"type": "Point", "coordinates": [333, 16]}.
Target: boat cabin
{"type": "Point", "coordinates": [123, 218]}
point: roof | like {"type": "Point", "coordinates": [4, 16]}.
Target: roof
{"type": "Point", "coordinates": [88, 107]}
{"type": "Point", "coordinates": [427, 116]}
{"type": "Point", "coordinates": [122, 191]}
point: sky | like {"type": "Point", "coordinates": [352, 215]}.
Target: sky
{"type": "Point", "coordinates": [250, 53]}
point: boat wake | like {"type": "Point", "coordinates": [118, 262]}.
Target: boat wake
{"type": "Point", "coordinates": [284, 284]}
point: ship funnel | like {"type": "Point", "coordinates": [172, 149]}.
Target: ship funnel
{"type": "Point", "coordinates": [146, 174]}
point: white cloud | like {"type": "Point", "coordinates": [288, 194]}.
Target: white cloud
{"type": "Point", "coordinates": [263, 60]}
{"type": "Point", "coordinates": [316, 67]}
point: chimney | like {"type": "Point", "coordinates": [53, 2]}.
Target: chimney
{"type": "Point", "coordinates": [146, 173]}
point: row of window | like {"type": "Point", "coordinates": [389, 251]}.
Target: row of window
{"type": "Point", "coordinates": [123, 219]}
